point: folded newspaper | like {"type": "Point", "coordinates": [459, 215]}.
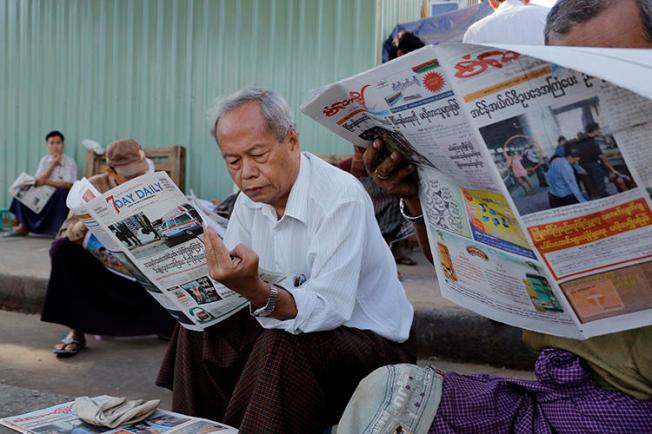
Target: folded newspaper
{"type": "Point", "coordinates": [62, 419]}
{"type": "Point", "coordinates": [147, 230]}
{"type": "Point", "coordinates": [26, 192]}
{"type": "Point", "coordinates": [535, 179]}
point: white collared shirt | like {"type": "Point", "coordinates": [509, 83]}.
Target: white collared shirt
{"type": "Point", "coordinates": [511, 23]}
{"type": "Point", "coordinates": [65, 171]}
{"type": "Point", "coordinates": [329, 234]}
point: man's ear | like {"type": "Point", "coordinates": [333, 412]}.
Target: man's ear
{"type": "Point", "coordinates": [494, 4]}
{"type": "Point", "coordinates": [293, 139]}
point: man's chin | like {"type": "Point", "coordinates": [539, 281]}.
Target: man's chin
{"type": "Point", "coordinates": [257, 195]}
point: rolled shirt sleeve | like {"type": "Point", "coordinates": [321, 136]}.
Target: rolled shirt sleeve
{"type": "Point", "coordinates": [70, 170]}
{"type": "Point", "coordinates": [42, 167]}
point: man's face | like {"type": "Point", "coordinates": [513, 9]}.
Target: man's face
{"type": "Point", "coordinates": [262, 167]}
{"type": "Point", "coordinates": [617, 27]}
{"type": "Point", "coordinates": [55, 145]}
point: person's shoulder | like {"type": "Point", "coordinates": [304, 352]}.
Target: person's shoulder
{"type": "Point", "coordinates": [331, 184]}
{"type": "Point", "coordinates": [68, 160]}
{"type": "Point", "coordinates": [534, 11]}
{"type": "Point", "coordinates": [101, 181]}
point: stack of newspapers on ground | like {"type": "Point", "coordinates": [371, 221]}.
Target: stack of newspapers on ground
{"type": "Point", "coordinates": [62, 419]}
{"type": "Point", "coordinates": [486, 127]}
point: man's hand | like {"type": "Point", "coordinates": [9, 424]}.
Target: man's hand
{"type": "Point", "coordinates": [237, 270]}
{"type": "Point", "coordinates": [389, 174]}
{"type": "Point", "coordinates": [56, 159]}
{"type": "Point", "coordinates": [41, 180]}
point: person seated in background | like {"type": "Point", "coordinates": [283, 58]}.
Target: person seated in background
{"type": "Point", "coordinates": [386, 207]}
{"type": "Point", "coordinates": [56, 170]}
{"type": "Point", "coordinates": [82, 293]}
{"type": "Point", "coordinates": [405, 42]}
{"type": "Point", "coordinates": [602, 384]}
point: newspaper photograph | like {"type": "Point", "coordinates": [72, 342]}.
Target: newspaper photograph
{"type": "Point", "coordinates": [26, 192]}
{"type": "Point", "coordinates": [62, 419]}
{"type": "Point", "coordinates": [535, 178]}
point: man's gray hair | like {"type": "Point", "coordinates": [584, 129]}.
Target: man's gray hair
{"type": "Point", "coordinates": [273, 107]}
{"type": "Point", "coordinates": [567, 13]}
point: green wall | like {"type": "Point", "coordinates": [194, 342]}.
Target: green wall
{"type": "Point", "coordinates": [150, 69]}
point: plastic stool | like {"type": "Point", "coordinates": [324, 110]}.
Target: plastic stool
{"type": "Point", "coordinates": [6, 219]}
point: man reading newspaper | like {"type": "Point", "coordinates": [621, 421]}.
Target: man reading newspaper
{"type": "Point", "coordinates": [602, 384]}
{"type": "Point", "coordinates": [291, 363]}
{"type": "Point", "coordinates": [84, 295]}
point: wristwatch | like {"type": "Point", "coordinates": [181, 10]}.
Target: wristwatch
{"type": "Point", "coordinates": [269, 308]}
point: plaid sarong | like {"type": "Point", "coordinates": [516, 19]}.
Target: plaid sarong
{"type": "Point", "coordinates": [564, 399]}
{"type": "Point", "coordinates": [271, 381]}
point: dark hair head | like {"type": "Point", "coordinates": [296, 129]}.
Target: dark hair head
{"type": "Point", "coordinates": [567, 13]}
{"type": "Point", "coordinates": [592, 127]}
{"type": "Point", "coordinates": [54, 133]}
{"type": "Point", "coordinates": [561, 139]}
{"type": "Point", "coordinates": [571, 149]}
{"type": "Point", "coordinates": [405, 42]}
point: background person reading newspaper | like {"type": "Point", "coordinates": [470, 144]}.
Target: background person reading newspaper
{"type": "Point", "coordinates": [603, 384]}
{"type": "Point", "coordinates": [82, 294]}
{"type": "Point", "coordinates": [56, 170]}
{"type": "Point", "coordinates": [291, 364]}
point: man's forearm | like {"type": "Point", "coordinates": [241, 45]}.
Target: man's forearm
{"type": "Point", "coordinates": [58, 184]}
{"type": "Point", "coordinates": [414, 207]}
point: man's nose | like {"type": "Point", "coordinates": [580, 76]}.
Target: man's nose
{"type": "Point", "coordinates": [249, 168]}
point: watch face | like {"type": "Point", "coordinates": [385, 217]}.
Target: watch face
{"type": "Point", "coordinates": [271, 303]}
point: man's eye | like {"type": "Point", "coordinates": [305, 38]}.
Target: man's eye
{"type": "Point", "coordinates": [260, 156]}
{"type": "Point", "coordinates": [232, 162]}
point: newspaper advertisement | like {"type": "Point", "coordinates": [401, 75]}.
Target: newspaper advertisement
{"type": "Point", "coordinates": [156, 233]}
{"type": "Point", "coordinates": [62, 419]}
{"type": "Point", "coordinates": [26, 192]}
{"type": "Point", "coordinates": [535, 179]}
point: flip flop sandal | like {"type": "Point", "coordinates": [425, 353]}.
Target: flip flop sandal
{"type": "Point", "coordinates": [63, 352]}
{"type": "Point", "coordinates": [405, 260]}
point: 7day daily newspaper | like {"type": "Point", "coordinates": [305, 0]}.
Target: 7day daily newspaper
{"type": "Point", "coordinates": [62, 419]}
{"type": "Point", "coordinates": [149, 231]}
{"type": "Point", "coordinates": [483, 125]}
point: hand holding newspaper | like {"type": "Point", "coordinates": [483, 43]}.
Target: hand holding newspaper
{"type": "Point", "coordinates": [534, 179]}
{"type": "Point", "coordinates": [24, 189]}
{"type": "Point", "coordinates": [156, 235]}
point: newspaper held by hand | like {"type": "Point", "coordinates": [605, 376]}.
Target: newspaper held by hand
{"type": "Point", "coordinates": [62, 418]}
{"type": "Point", "coordinates": [156, 235]}
{"type": "Point", "coordinates": [25, 191]}
{"type": "Point", "coordinates": [534, 178]}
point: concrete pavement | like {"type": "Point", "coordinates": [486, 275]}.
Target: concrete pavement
{"type": "Point", "coordinates": [441, 328]}
{"type": "Point", "coordinates": [32, 378]}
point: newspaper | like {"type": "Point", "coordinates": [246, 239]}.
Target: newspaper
{"type": "Point", "coordinates": [482, 126]}
{"type": "Point", "coordinates": [26, 192]}
{"type": "Point", "coordinates": [62, 419]}
{"type": "Point", "coordinates": [149, 231]}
